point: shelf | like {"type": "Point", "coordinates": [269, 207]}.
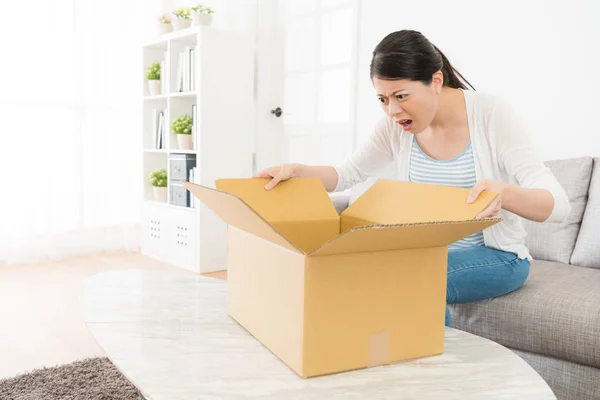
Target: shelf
{"type": "Point", "coordinates": [183, 34]}
{"type": "Point", "coordinates": [155, 151]}
{"type": "Point", "coordinates": [157, 97]}
{"type": "Point", "coordinates": [184, 94]}
{"type": "Point", "coordinates": [170, 206]}
{"type": "Point", "coordinates": [182, 151]}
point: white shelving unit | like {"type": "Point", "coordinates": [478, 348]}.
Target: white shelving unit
{"type": "Point", "coordinates": [195, 238]}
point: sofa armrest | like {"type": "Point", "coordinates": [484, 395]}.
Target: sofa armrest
{"type": "Point", "coordinates": [340, 200]}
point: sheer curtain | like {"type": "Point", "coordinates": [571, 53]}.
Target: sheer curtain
{"type": "Point", "coordinates": [70, 149]}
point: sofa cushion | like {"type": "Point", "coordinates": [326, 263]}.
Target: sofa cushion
{"type": "Point", "coordinates": [556, 313]}
{"type": "Point", "coordinates": [554, 241]}
{"type": "Point", "coordinates": [587, 247]}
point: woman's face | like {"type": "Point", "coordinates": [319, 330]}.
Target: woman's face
{"type": "Point", "coordinates": [411, 104]}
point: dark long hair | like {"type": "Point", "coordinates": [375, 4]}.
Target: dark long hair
{"type": "Point", "coordinates": [407, 54]}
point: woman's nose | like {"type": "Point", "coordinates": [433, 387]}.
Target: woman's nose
{"type": "Point", "coordinates": [394, 108]}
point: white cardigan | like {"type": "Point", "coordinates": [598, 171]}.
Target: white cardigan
{"type": "Point", "coordinates": [502, 152]}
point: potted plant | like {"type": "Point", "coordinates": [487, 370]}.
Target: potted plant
{"type": "Point", "coordinates": [182, 127]}
{"type": "Point", "coordinates": [158, 180]}
{"type": "Point", "coordinates": [164, 24]}
{"type": "Point", "coordinates": [153, 76]}
{"type": "Point", "coordinates": [184, 19]}
{"type": "Point", "coordinates": [202, 15]}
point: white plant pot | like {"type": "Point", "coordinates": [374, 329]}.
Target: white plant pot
{"type": "Point", "coordinates": [181, 23]}
{"type": "Point", "coordinates": [200, 18]}
{"type": "Point", "coordinates": [160, 194]}
{"type": "Point", "coordinates": [164, 28]}
{"type": "Point", "coordinates": [185, 142]}
{"type": "Point", "coordinates": [154, 86]}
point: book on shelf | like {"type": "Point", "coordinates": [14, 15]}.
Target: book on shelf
{"type": "Point", "coordinates": [158, 128]}
{"type": "Point", "coordinates": [180, 73]}
{"type": "Point", "coordinates": [161, 130]}
{"type": "Point", "coordinates": [186, 64]}
{"type": "Point", "coordinates": [186, 70]}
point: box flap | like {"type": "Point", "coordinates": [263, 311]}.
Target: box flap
{"type": "Point", "coordinates": [404, 236]}
{"type": "Point", "coordinates": [299, 209]}
{"type": "Point", "coordinates": [297, 199]}
{"type": "Point", "coordinates": [397, 202]}
{"type": "Point", "coordinates": [236, 212]}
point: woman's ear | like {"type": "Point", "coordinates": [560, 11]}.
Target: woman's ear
{"type": "Point", "coordinates": [437, 80]}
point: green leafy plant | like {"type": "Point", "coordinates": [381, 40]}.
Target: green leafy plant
{"type": "Point", "coordinates": [158, 178]}
{"type": "Point", "coordinates": [183, 125]}
{"type": "Point", "coordinates": [201, 9]}
{"type": "Point", "coordinates": [153, 72]}
{"type": "Point", "coordinates": [183, 12]}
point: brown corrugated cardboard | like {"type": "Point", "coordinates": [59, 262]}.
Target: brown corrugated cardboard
{"type": "Point", "coordinates": [328, 293]}
{"type": "Point", "coordinates": [302, 212]}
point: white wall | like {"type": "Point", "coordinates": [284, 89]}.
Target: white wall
{"type": "Point", "coordinates": [541, 55]}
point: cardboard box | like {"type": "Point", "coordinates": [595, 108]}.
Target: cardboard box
{"type": "Point", "coordinates": [329, 293]}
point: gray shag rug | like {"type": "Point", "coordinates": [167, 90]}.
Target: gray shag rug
{"type": "Point", "coordinates": [88, 379]}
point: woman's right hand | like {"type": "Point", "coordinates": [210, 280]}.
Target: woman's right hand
{"type": "Point", "coordinates": [278, 173]}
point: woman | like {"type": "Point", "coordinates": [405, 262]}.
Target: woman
{"type": "Point", "coordinates": [438, 132]}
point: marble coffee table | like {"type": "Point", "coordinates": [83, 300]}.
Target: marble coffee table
{"type": "Point", "coordinates": [170, 335]}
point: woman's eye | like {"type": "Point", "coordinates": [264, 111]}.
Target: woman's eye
{"type": "Point", "coordinates": [381, 100]}
{"type": "Point", "coordinates": [400, 96]}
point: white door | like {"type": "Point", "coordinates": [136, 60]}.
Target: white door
{"type": "Point", "coordinates": [307, 62]}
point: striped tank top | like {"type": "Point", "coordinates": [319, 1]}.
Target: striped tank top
{"type": "Point", "coordinates": [457, 172]}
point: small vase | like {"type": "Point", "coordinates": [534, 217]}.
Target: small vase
{"type": "Point", "coordinates": [154, 86]}
{"type": "Point", "coordinates": [160, 194]}
{"type": "Point", "coordinates": [200, 18]}
{"type": "Point", "coordinates": [185, 142]}
{"type": "Point", "coordinates": [181, 23]}
{"type": "Point", "coordinates": [164, 28]}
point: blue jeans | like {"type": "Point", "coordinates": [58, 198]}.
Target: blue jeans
{"type": "Point", "coordinates": [480, 272]}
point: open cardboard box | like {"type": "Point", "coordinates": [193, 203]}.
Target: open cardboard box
{"type": "Point", "coordinates": [329, 293]}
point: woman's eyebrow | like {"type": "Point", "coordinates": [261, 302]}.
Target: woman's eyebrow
{"type": "Point", "coordinates": [396, 92]}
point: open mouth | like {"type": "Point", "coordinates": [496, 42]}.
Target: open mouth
{"type": "Point", "coordinates": [406, 124]}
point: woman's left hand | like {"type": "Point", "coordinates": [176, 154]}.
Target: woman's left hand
{"type": "Point", "coordinates": [495, 206]}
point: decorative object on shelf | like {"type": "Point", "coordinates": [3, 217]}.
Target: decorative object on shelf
{"type": "Point", "coordinates": [182, 127]}
{"type": "Point", "coordinates": [158, 180]}
{"type": "Point", "coordinates": [164, 24]}
{"type": "Point", "coordinates": [202, 15]}
{"type": "Point", "coordinates": [183, 19]}
{"type": "Point", "coordinates": [153, 76]}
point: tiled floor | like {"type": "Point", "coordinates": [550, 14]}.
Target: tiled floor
{"type": "Point", "coordinates": [40, 314]}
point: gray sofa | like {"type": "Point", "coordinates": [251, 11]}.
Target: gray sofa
{"type": "Point", "coordinates": [553, 321]}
